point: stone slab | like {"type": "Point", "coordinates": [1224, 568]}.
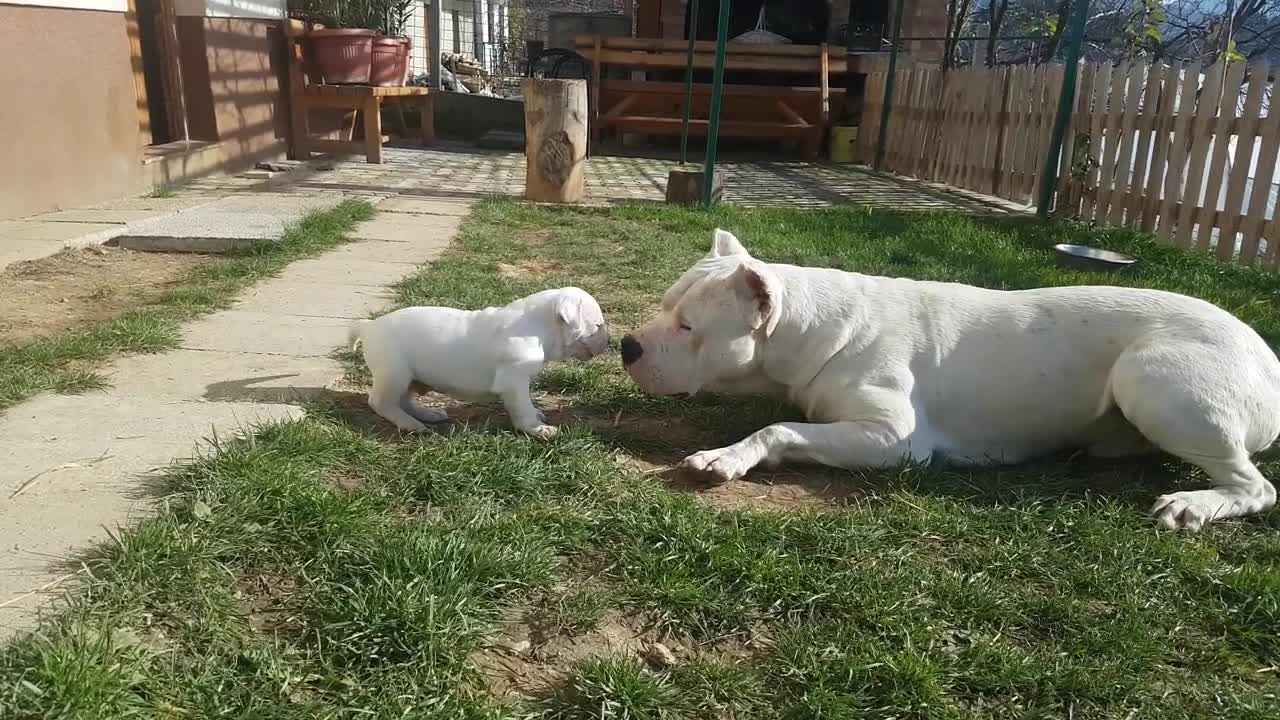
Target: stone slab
{"type": "Point", "coordinates": [215, 376]}
{"type": "Point", "coordinates": [316, 299]}
{"type": "Point", "coordinates": [227, 224]}
{"type": "Point", "coordinates": [88, 455]}
{"type": "Point", "coordinates": [23, 230]}
{"type": "Point", "coordinates": [425, 206]}
{"type": "Point", "coordinates": [270, 333]}
{"type": "Point", "coordinates": [107, 216]}
{"type": "Point", "coordinates": [344, 271]}
{"type": "Point", "coordinates": [16, 251]}
{"type": "Point", "coordinates": [175, 244]}
{"type": "Point", "coordinates": [170, 204]}
{"type": "Point", "coordinates": [404, 253]}
{"type": "Point", "coordinates": [21, 240]}
{"type": "Point", "coordinates": [391, 227]}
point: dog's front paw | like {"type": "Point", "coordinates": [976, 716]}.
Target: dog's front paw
{"type": "Point", "coordinates": [542, 431]}
{"type": "Point", "coordinates": [720, 465]}
{"type": "Point", "coordinates": [1181, 511]}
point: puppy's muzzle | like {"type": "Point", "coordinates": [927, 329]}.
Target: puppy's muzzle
{"type": "Point", "coordinates": [631, 350]}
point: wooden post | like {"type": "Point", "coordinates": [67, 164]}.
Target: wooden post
{"type": "Point", "coordinates": [171, 71]}
{"type": "Point", "coordinates": [435, 37]}
{"type": "Point", "coordinates": [372, 112]}
{"type": "Point", "coordinates": [555, 129]}
{"type": "Point", "coordinates": [684, 186]}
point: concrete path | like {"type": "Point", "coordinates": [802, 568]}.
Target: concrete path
{"type": "Point", "coordinates": [74, 467]}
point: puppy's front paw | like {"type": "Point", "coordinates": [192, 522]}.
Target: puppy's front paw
{"type": "Point", "coordinates": [720, 465]}
{"type": "Point", "coordinates": [542, 431]}
{"type": "Point", "coordinates": [428, 415]}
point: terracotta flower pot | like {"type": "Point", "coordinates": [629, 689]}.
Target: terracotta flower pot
{"type": "Point", "coordinates": [390, 64]}
{"type": "Point", "coordinates": [344, 55]}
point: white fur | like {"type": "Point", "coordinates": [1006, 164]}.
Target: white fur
{"type": "Point", "coordinates": [889, 369]}
{"type": "Point", "coordinates": [477, 354]}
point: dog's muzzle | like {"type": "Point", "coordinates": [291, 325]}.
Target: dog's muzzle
{"type": "Point", "coordinates": [631, 350]}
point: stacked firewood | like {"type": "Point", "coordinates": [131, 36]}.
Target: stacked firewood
{"type": "Point", "coordinates": [468, 71]}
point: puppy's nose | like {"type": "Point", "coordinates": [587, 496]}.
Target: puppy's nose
{"type": "Point", "coordinates": [631, 350]}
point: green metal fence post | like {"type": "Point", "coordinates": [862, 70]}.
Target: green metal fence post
{"type": "Point", "coordinates": [713, 122]}
{"type": "Point", "coordinates": [688, 82]}
{"type": "Point", "coordinates": [887, 106]}
{"type": "Point", "coordinates": [1066, 100]}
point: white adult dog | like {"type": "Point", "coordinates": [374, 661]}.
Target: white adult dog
{"type": "Point", "coordinates": [477, 355]}
{"type": "Point", "coordinates": [888, 369]}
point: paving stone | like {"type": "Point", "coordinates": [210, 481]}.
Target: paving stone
{"type": "Point", "coordinates": [392, 227]}
{"type": "Point", "coordinates": [319, 299]}
{"type": "Point", "coordinates": [424, 206]}
{"type": "Point", "coordinates": [260, 332]}
{"type": "Point", "coordinates": [210, 375]}
{"type": "Point", "coordinates": [100, 216]}
{"type": "Point", "coordinates": [344, 271]}
{"type": "Point", "coordinates": [227, 224]}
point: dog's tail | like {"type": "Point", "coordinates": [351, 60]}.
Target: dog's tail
{"type": "Point", "coordinates": [355, 333]}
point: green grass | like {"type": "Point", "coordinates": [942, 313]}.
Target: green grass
{"type": "Point", "coordinates": [317, 569]}
{"type": "Point", "coordinates": [161, 193]}
{"type": "Point", "coordinates": [66, 362]}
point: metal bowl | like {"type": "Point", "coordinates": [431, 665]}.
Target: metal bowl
{"type": "Point", "coordinates": [1083, 257]}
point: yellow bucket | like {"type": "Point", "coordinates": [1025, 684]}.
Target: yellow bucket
{"type": "Point", "coordinates": [843, 140]}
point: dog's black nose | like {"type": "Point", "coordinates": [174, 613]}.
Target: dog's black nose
{"type": "Point", "coordinates": [631, 350]}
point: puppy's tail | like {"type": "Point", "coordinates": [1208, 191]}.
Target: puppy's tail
{"type": "Point", "coordinates": [355, 333]}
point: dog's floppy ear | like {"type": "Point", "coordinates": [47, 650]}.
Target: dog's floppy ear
{"type": "Point", "coordinates": [725, 244]}
{"type": "Point", "coordinates": [759, 289]}
{"type": "Point", "coordinates": [568, 309]}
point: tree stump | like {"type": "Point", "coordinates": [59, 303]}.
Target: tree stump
{"type": "Point", "coordinates": [555, 130]}
{"type": "Point", "coordinates": [684, 185]}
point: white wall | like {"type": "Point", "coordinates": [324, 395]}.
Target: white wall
{"type": "Point", "coordinates": [102, 5]}
{"type": "Point", "coordinates": [254, 9]}
{"type": "Point", "coordinates": [263, 9]}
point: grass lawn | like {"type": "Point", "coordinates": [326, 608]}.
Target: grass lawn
{"type": "Point", "coordinates": [67, 362]}
{"type": "Point", "coordinates": [327, 569]}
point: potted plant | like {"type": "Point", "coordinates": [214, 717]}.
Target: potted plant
{"type": "Point", "coordinates": [391, 48]}
{"type": "Point", "coordinates": [362, 42]}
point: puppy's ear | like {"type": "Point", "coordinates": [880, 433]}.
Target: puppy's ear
{"type": "Point", "coordinates": [725, 244]}
{"type": "Point", "coordinates": [568, 310]}
{"type": "Point", "coordinates": [759, 291]}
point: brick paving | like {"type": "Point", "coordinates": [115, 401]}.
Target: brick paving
{"type": "Point", "coordinates": [462, 171]}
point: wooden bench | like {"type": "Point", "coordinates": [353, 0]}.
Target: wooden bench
{"type": "Point", "coordinates": [802, 112]}
{"type": "Point", "coordinates": [307, 92]}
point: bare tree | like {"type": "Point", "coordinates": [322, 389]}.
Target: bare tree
{"type": "Point", "coordinates": [1173, 30]}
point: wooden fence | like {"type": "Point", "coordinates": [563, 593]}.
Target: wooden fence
{"type": "Point", "coordinates": [1189, 155]}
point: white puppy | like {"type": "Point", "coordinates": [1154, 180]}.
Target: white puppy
{"type": "Point", "coordinates": [889, 369]}
{"type": "Point", "coordinates": [477, 355]}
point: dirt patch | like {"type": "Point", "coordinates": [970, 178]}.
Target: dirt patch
{"type": "Point", "coordinates": [664, 441]}
{"type": "Point", "coordinates": [346, 482]}
{"type": "Point", "coordinates": [264, 600]}
{"type": "Point", "coordinates": [530, 268]}
{"type": "Point", "coordinates": [809, 489]}
{"type": "Point", "coordinates": [77, 287]}
{"type": "Point", "coordinates": [521, 662]}
{"type": "Point", "coordinates": [525, 659]}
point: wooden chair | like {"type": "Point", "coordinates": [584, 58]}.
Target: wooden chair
{"type": "Point", "coordinates": [307, 92]}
